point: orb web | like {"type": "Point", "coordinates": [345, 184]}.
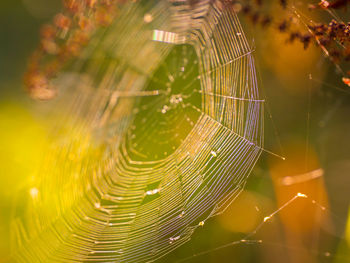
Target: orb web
{"type": "Point", "coordinates": [163, 123]}
{"type": "Point", "coordinates": [174, 102]}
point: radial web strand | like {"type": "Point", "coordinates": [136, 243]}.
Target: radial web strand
{"type": "Point", "coordinates": [162, 124]}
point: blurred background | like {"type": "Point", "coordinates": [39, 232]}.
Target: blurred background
{"type": "Point", "coordinates": [307, 122]}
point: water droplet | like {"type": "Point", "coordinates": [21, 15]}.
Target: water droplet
{"type": "Point", "coordinates": [34, 192]}
{"type": "Point", "coordinates": [148, 18]}
{"type": "Point", "coordinates": [153, 192]}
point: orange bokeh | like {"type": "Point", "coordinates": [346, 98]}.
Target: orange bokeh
{"type": "Point", "coordinates": [303, 218]}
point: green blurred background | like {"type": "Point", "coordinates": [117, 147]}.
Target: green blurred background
{"type": "Point", "coordinates": [307, 121]}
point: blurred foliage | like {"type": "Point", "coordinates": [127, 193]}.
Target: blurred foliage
{"type": "Point", "coordinates": [306, 121]}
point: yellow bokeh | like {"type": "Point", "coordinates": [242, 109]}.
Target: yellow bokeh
{"type": "Point", "coordinates": [347, 233]}
{"type": "Point", "coordinates": [22, 140]}
{"type": "Point", "coordinates": [245, 213]}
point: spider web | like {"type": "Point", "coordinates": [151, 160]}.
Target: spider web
{"type": "Point", "coordinates": [163, 124]}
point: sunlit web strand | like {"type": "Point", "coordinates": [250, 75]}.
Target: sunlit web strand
{"type": "Point", "coordinates": [115, 205]}
{"type": "Point", "coordinates": [247, 239]}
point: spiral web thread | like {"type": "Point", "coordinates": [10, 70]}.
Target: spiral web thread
{"type": "Point", "coordinates": [163, 125]}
